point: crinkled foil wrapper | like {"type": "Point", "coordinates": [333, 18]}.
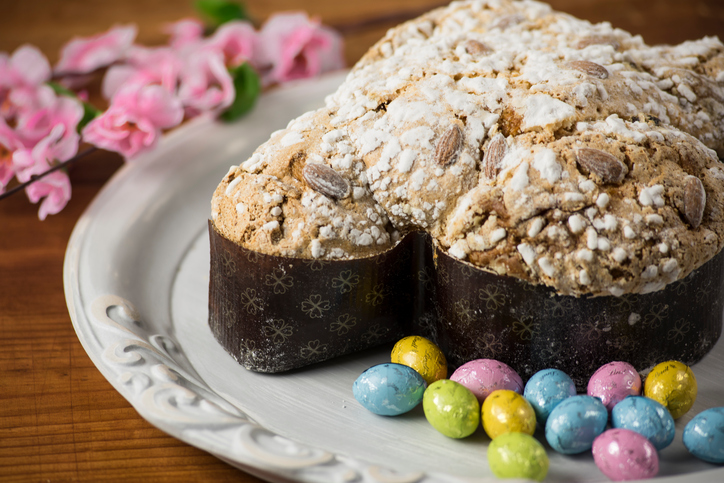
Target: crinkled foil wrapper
{"type": "Point", "coordinates": [273, 314]}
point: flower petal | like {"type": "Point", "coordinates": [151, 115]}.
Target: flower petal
{"type": "Point", "coordinates": [86, 54]}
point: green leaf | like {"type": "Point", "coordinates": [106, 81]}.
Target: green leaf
{"type": "Point", "coordinates": [90, 111]}
{"type": "Point", "coordinates": [221, 11]}
{"type": "Point", "coordinates": [247, 87]}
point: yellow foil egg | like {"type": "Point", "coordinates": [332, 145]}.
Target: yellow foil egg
{"type": "Point", "coordinates": [673, 385]}
{"type": "Point", "coordinates": [506, 411]}
{"type": "Point", "coordinates": [422, 355]}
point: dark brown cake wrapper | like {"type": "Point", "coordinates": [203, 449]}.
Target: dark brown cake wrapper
{"type": "Point", "coordinates": [276, 313]}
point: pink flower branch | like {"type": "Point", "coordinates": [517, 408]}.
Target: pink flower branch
{"type": "Point", "coordinates": [149, 90]}
{"type": "Point", "coordinates": [38, 177]}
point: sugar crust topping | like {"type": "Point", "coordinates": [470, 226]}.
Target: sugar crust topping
{"type": "Point", "coordinates": [588, 193]}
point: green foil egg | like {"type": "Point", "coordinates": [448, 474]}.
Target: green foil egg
{"type": "Point", "coordinates": [518, 455]}
{"type": "Point", "coordinates": [451, 408]}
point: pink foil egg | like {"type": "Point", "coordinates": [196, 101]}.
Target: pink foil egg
{"type": "Point", "coordinates": [483, 376]}
{"type": "Point", "coordinates": [614, 381]}
{"type": "Point", "coordinates": [622, 455]}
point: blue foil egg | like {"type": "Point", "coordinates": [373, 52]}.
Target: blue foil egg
{"type": "Point", "coordinates": [704, 435]}
{"type": "Point", "coordinates": [389, 389]}
{"type": "Point", "coordinates": [574, 423]}
{"type": "Point", "coordinates": [546, 389]}
{"type": "Point", "coordinates": [647, 417]}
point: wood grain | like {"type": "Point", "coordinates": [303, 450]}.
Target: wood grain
{"type": "Point", "coordinates": [60, 420]}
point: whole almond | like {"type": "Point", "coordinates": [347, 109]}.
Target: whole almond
{"type": "Point", "coordinates": [591, 68]}
{"type": "Point", "coordinates": [694, 201]}
{"type": "Point", "coordinates": [449, 145]}
{"type": "Point", "coordinates": [473, 47]}
{"type": "Point", "coordinates": [323, 179]}
{"type": "Point", "coordinates": [508, 21]}
{"type": "Point", "coordinates": [494, 155]}
{"type": "Point", "coordinates": [604, 165]}
{"type": "Point", "coordinates": [598, 40]}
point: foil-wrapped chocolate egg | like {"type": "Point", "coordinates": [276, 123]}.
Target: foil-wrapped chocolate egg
{"type": "Point", "coordinates": [422, 355]}
{"type": "Point", "coordinates": [614, 381]}
{"type": "Point", "coordinates": [704, 435]}
{"type": "Point", "coordinates": [672, 384]}
{"type": "Point", "coordinates": [389, 389]}
{"type": "Point", "coordinates": [483, 376]}
{"type": "Point", "coordinates": [546, 389]}
{"type": "Point", "coordinates": [647, 417]}
{"type": "Point", "coordinates": [575, 423]}
{"type": "Point", "coordinates": [506, 411]}
{"type": "Point", "coordinates": [518, 455]}
{"type": "Point", "coordinates": [622, 455]}
{"type": "Point", "coordinates": [451, 408]}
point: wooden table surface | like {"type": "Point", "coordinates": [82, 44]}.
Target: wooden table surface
{"type": "Point", "coordinates": [60, 420]}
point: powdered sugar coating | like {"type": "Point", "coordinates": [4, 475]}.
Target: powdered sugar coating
{"type": "Point", "coordinates": [659, 111]}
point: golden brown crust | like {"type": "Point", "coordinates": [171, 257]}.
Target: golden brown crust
{"type": "Point", "coordinates": [602, 135]}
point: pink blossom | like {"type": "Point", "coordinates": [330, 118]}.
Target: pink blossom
{"type": "Point", "coordinates": [115, 78]}
{"type": "Point", "coordinates": [20, 76]}
{"type": "Point", "coordinates": [83, 55]}
{"type": "Point", "coordinates": [35, 121]}
{"type": "Point", "coordinates": [8, 143]}
{"type": "Point", "coordinates": [27, 67]}
{"type": "Point", "coordinates": [293, 46]}
{"type": "Point", "coordinates": [60, 144]}
{"type": "Point", "coordinates": [205, 83]}
{"type": "Point", "coordinates": [236, 40]}
{"type": "Point", "coordinates": [204, 80]}
{"type": "Point", "coordinates": [56, 191]}
{"type": "Point", "coordinates": [196, 72]}
{"type": "Point", "coordinates": [145, 66]}
{"type": "Point", "coordinates": [6, 167]}
{"type": "Point", "coordinates": [184, 32]}
{"type": "Point", "coordinates": [135, 119]}
{"type": "Point", "coordinates": [9, 139]}
{"type": "Point", "coordinates": [54, 187]}
{"type": "Point", "coordinates": [42, 128]}
{"type": "Point", "coordinates": [42, 135]}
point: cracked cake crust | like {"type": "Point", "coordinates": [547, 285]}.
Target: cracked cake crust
{"type": "Point", "coordinates": [524, 141]}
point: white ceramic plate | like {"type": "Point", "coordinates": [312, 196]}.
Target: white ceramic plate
{"type": "Point", "coordinates": [136, 275]}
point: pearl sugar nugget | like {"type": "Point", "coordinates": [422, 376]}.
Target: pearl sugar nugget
{"type": "Point", "coordinates": [483, 376]}
{"type": "Point", "coordinates": [389, 389]}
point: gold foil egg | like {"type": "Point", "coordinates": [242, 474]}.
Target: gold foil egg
{"type": "Point", "coordinates": [506, 411]}
{"type": "Point", "coordinates": [422, 355]}
{"type": "Point", "coordinates": [673, 385]}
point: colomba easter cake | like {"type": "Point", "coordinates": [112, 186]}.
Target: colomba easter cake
{"type": "Point", "coordinates": [506, 179]}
